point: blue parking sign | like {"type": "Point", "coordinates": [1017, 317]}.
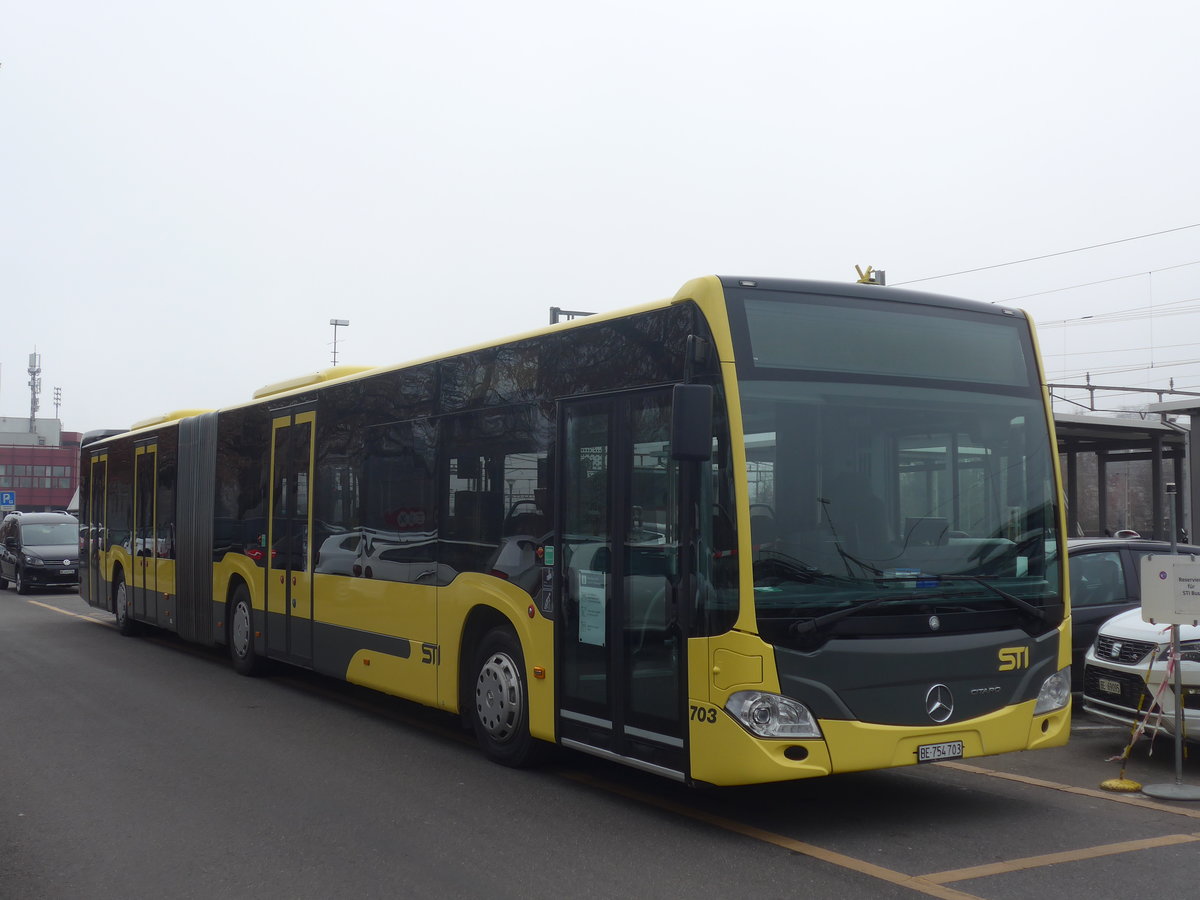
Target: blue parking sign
{"type": "Point", "coordinates": [8, 498]}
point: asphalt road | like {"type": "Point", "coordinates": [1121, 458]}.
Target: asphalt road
{"type": "Point", "coordinates": [143, 767]}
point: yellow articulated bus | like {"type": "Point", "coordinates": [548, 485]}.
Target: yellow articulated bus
{"type": "Point", "coordinates": [763, 530]}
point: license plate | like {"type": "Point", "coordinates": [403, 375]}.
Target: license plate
{"type": "Point", "coordinates": [936, 752]}
{"type": "Point", "coordinates": [66, 571]}
{"type": "Point", "coordinates": [1108, 685]}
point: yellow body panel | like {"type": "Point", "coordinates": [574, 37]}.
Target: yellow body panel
{"type": "Point", "coordinates": [381, 607]}
{"type": "Point", "coordinates": [1064, 646]}
{"type": "Point", "coordinates": [117, 558]}
{"type": "Point", "coordinates": [722, 752]}
{"type": "Point", "coordinates": [414, 677]}
{"type": "Point", "coordinates": [237, 566]}
{"type": "Point", "coordinates": [859, 746]}
{"type": "Point", "coordinates": [736, 661]}
{"type": "Point", "coordinates": [725, 753]}
{"type": "Point", "coordinates": [165, 575]}
{"type": "Point", "coordinates": [407, 611]}
{"type": "Point", "coordinates": [456, 602]}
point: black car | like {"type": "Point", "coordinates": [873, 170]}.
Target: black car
{"type": "Point", "coordinates": [39, 550]}
{"type": "Point", "coordinates": [1104, 581]}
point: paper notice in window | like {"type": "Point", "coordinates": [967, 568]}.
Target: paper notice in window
{"type": "Point", "coordinates": [593, 592]}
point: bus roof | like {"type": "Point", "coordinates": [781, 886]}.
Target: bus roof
{"type": "Point", "coordinates": [691, 290]}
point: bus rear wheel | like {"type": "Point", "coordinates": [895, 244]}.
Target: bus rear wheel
{"type": "Point", "coordinates": [125, 622]}
{"type": "Point", "coordinates": [501, 698]}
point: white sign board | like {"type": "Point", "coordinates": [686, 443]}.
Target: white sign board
{"type": "Point", "coordinates": [1171, 589]}
{"type": "Point", "coordinates": [593, 601]}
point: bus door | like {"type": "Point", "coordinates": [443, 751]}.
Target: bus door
{"type": "Point", "coordinates": [144, 549]}
{"type": "Point", "coordinates": [289, 579]}
{"type": "Point", "coordinates": [622, 652]}
{"type": "Point", "coordinates": [94, 532]}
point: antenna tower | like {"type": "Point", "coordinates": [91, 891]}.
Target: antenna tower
{"type": "Point", "coordinates": [35, 388]}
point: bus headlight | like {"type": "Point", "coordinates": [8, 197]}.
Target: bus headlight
{"type": "Point", "coordinates": [1055, 692]}
{"type": "Point", "coordinates": [772, 716]}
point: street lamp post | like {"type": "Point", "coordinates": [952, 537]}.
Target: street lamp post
{"type": "Point", "coordinates": [337, 323]}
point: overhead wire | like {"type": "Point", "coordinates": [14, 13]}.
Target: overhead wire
{"type": "Point", "coordinates": [1071, 287]}
{"type": "Point", "coordinates": [1046, 354]}
{"type": "Point", "coordinates": [1152, 311]}
{"type": "Point", "coordinates": [1015, 262]}
{"type": "Point", "coordinates": [1132, 314]}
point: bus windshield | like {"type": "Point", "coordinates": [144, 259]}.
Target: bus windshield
{"type": "Point", "coordinates": [876, 495]}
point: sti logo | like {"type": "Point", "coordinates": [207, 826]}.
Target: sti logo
{"type": "Point", "coordinates": [1013, 658]}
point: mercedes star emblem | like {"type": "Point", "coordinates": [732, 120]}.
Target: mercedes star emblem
{"type": "Point", "coordinates": [939, 703]}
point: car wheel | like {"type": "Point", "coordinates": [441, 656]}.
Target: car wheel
{"type": "Point", "coordinates": [241, 634]}
{"type": "Point", "coordinates": [501, 719]}
{"type": "Point", "coordinates": [3, 583]}
{"type": "Point", "coordinates": [125, 622]}
{"type": "Point", "coordinates": [19, 583]}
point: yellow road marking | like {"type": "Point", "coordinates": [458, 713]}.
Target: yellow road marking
{"type": "Point", "coordinates": [1128, 800]}
{"type": "Point", "coordinates": [1051, 859]}
{"type": "Point", "coordinates": [914, 882]}
{"type": "Point", "coordinates": [933, 884]}
{"type": "Point", "coordinates": [67, 612]}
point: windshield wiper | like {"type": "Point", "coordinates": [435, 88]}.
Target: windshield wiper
{"type": "Point", "coordinates": [1020, 602]}
{"type": "Point", "coordinates": [793, 569]}
{"type": "Point", "coordinates": [806, 626]}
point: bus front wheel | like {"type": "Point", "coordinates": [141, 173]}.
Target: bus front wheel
{"type": "Point", "coordinates": [241, 634]}
{"type": "Point", "coordinates": [501, 699]}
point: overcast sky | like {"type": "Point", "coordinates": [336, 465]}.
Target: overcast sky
{"type": "Point", "coordinates": [190, 191]}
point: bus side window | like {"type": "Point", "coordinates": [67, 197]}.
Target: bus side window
{"type": "Point", "coordinates": [497, 484]}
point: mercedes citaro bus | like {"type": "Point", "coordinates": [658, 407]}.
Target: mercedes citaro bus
{"type": "Point", "coordinates": [762, 530]}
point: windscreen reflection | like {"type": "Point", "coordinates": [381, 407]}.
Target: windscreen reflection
{"type": "Point", "coordinates": [896, 494]}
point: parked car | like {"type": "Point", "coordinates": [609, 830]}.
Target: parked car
{"type": "Point", "coordinates": [39, 550]}
{"type": "Point", "coordinates": [1104, 581]}
{"type": "Point", "coordinates": [1125, 669]}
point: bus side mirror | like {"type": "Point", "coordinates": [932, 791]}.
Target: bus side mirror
{"type": "Point", "coordinates": [692, 422]}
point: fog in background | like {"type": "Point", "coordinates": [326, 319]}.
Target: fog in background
{"type": "Point", "coordinates": [190, 191]}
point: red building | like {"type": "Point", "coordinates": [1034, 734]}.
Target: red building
{"type": "Point", "coordinates": [40, 467]}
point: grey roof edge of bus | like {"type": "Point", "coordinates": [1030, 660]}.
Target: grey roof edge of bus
{"type": "Point", "coordinates": [99, 434]}
{"type": "Point", "coordinates": [349, 372]}
{"type": "Point", "coordinates": [321, 378]}
{"type": "Point", "coordinates": [869, 291]}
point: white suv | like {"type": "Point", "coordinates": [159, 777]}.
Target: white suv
{"type": "Point", "coordinates": [1125, 668]}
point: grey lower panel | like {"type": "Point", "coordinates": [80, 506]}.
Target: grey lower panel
{"type": "Point", "coordinates": [887, 681]}
{"type": "Point", "coordinates": [644, 766]}
{"type": "Point", "coordinates": [334, 646]}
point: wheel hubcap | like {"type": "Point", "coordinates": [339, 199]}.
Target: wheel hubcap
{"type": "Point", "coordinates": [498, 696]}
{"type": "Point", "coordinates": [121, 611]}
{"type": "Point", "coordinates": [241, 629]}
